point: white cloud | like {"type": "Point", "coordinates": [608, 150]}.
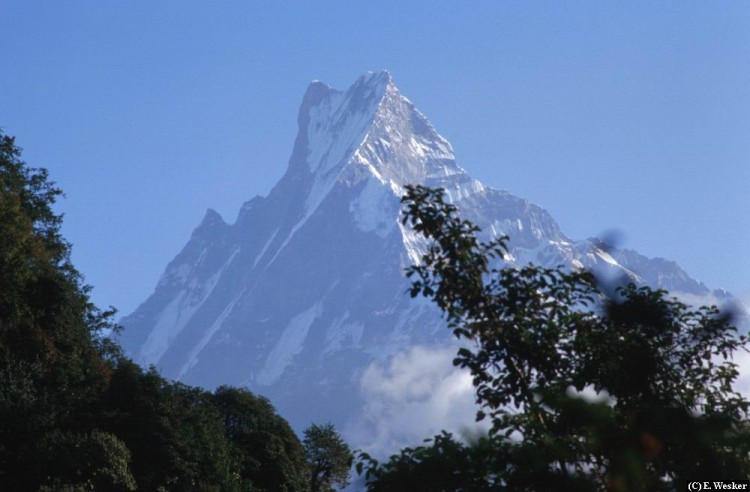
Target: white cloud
{"type": "Point", "coordinates": [413, 396]}
{"type": "Point", "coordinates": [742, 359]}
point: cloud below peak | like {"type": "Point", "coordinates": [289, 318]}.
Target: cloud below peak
{"type": "Point", "coordinates": [413, 396]}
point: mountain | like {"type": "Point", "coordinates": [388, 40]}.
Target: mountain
{"type": "Point", "coordinates": [305, 290]}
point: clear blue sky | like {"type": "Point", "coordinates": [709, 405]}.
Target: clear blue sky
{"type": "Point", "coordinates": [612, 115]}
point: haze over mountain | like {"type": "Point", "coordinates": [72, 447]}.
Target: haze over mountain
{"type": "Point", "coordinates": [303, 297]}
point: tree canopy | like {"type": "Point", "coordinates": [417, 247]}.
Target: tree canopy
{"type": "Point", "coordinates": [75, 414]}
{"type": "Point", "coordinates": [53, 359]}
{"type": "Point", "coordinates": [328, 456]}
{"type": "Point", "coordinates": [661, 406]}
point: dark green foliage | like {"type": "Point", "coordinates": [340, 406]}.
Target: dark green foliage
{"type": "Point", "coordinates": [269, 453]}
{"type": "Point", "coordinates": [185, 438]}
{"type": "Point", "coordinates": [94, 461]}
{"type": "Point", "coordinates": [75, 414]}
{"type": "Point", "coordinates": [329, 458]}
{"type": "Point", "coordinates": [174, 431]}
{"type": "Point", "coordinates": [445, 465]}
{"type": "Point", "coordinates": [52, 367]}
{"type": "Point", "coordinates": [663, 371]}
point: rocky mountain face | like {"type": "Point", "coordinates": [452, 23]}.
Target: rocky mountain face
{"type": "Point", "coordinates": [306, 289]}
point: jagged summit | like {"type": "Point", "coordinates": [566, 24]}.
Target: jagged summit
{"type": "Point", "coordinates": [212, 218]}
{"type": "Point", "coordinates": [306, 288]}
{"type": "Point", "coordinates": [370, 131]}
{"type": "Point", "coordinates": [371, 115]}
{"type": "Point", "coordinates": [373, 84]}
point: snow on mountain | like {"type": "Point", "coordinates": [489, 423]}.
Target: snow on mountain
{"type": "Point", "coordinates": [304, 294]}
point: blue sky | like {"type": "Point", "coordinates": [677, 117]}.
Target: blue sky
{"type": "Point", "coordinates": [632, 116]}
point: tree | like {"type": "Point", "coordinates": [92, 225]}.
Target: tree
{"type": "Point", "coordinates": [75, 414]}
{"type": "Point", "coordinates": [174, 431]}
{"type": "Point", "coordinates": [53, 357]}
{"type": "Point", "coordinates": [94, 461]}
{"type": "Point", "coordinates": [445, 465]}
{"type": "Point", "coordinates": [328, 457]}
{"type": "Point", "coordinates": [539, 338]}
{"type": "Point", "coordinates": [269, 454]}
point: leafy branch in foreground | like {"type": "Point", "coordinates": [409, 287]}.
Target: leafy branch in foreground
{"type": "Point", "coordinates": [665, 408]}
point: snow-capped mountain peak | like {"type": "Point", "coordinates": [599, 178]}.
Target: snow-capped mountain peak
{"type": "Point", "coordinates": [306, 289]}
{"type": "Point", "coordinates": [372, 126]}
